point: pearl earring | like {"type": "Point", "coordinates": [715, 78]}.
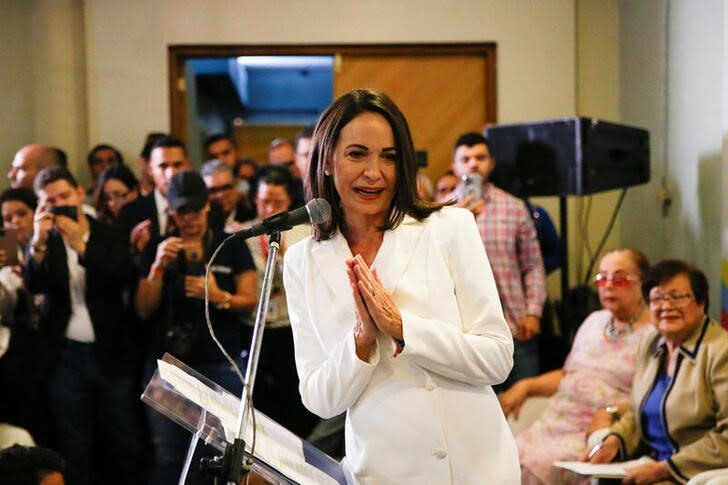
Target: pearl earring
{"type": "Point", "coordinates": [327, 173]}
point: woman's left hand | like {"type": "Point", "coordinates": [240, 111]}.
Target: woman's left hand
{"type": "Point", "coordinates": [378, 301]}
{"type": "Point", "coordinates": [647, 473]}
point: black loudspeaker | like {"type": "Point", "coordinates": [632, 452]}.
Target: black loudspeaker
{"type": "Point", "coordinates": [569, 156]}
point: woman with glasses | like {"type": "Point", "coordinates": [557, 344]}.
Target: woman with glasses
{"type": "Point", "coordinates": [596, 375]}
{"type": "Point", "coordinates": [117, 186]}
{"type": "Point", "coordinates": [679, 402]}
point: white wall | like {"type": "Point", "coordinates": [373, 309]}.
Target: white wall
{"type": "Point", "coordinates": [672, 82]}
{"type": "Point", "coordinates": [43, 76]}
{"type": "Point", "coordinates": [16, 94]}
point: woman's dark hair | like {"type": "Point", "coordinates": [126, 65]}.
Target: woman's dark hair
{"type": "Point", "coordinates": [406, 200]}
{"type": "Point", "coordinates": [278, 175]}
{"type": "Point", "coordinates": [123, 174]}
{"type": "Point", "coordinates": [667, 269]}
{"type": "Point", "coordinates": [91, 160]}
{"type": "Point", "coordinates": [21, 194]}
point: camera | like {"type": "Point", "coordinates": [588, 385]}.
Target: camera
{"type": "Point", "coordinates": [190, 263]}
{"type": "Point", "coordinates": [69, 211]}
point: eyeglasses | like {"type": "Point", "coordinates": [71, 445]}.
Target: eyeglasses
{"type": "Point", "coordinates": [673, 299]}
{"type": "Point", "coordinates": [618, 280]}
{"type": "Point", "coordinates": [221, 188]}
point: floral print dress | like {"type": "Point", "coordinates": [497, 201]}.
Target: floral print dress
{"type": "Point", "coordinates": [597, 372]}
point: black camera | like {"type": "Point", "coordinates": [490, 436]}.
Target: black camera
{"type": "Point", "coordinates": [190, 263]}
{"type": "Point", "coordinates": [70, 211]}
{"type": "Point", "coordinates": [180, 338]}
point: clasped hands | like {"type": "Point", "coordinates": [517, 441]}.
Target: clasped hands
{"type": "Point", "coordinates": [375, 310]}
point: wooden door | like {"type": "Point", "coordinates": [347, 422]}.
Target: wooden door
{"type": "Point", "coordinates": [442, 97]}
{"type": "Point", "coordinates": [443, 89]}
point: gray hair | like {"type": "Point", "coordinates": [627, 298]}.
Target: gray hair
{"type": "Point", "coordinates": [215, 166]}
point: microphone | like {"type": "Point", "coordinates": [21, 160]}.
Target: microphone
{"type": "Point", "coordinates": [315, 212]}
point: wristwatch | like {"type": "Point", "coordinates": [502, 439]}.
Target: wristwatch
{"type": "Point", "coordinates": [613, 411]}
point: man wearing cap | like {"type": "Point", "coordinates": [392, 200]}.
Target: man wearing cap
{"type": "Point", "coordinates": [171, 295]}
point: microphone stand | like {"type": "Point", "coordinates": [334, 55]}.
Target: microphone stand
{"type": "Point", "coordinates": [229, 468]}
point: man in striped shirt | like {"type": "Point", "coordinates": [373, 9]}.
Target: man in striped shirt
{"type": "Point", "coordinates": [512, 247]}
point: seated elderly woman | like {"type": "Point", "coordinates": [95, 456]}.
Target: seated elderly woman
{"type": "Point", "coordinates": [679, 402]}
{"type": "Point", "coordinates": [597, 373]}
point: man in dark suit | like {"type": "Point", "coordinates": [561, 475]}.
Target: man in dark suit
{"type": "Point", "coordinates": [146, 217]}
{"type": "Point", "coordinates": [77, 264]}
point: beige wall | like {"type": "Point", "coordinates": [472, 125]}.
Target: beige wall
{"type": "Point", "coordinates": [672, 82]}
{"type": "Point", "coordinates": [16, 93]}
{"type": "Point", "coordinates": [127, 41]}
{"type": "Point", "coordinates": [43, 77]}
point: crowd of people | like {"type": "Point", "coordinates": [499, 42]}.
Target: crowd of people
{"type": "Point", "coordinates": [100, 282]}
{"type": "Point", "coordinates": [407, 322]}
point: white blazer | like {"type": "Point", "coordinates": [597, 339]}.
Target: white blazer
{"type": "Point", "coordinates": [429, 415]}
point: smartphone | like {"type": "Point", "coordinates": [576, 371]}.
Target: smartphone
{"type": "Point", "coordinates": [70, 211]}
{"type": "Point", "coordinates": [9, 243]}
{"type": "Point", "coordinates": [473, 185]}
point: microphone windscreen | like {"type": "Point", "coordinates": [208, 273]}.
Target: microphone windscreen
{"type": "Point", "coordinates": [319, 210]}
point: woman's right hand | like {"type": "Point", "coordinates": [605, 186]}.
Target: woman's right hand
{"type": "Point", "coordinates": [606, 452]}
{"type": "Point", "coordinates": [512, 400]}
{"type": "Point", "coordinates": [365, 330]}
{"type": "Point", "coordinates": [167, 251]}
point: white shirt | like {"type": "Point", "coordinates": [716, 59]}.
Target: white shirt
{"type": "Point", "coordinates": [79, 327]}
{"type": "Point", "coordinates": [162, 205]}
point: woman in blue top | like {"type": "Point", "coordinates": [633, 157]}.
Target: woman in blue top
{"type": "Point", "coordinates": [679, 409]}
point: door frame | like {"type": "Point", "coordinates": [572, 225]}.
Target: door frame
{"type": "Point", "coordinates": [178, 55]}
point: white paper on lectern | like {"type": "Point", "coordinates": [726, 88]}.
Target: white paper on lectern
{"type": "Point", "coordinates": [277, 446]}
{"type": "Point", "coordinates": [602, 470]}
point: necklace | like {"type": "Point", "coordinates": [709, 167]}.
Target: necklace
{"type": "Point", "coordinates": [612, 333]}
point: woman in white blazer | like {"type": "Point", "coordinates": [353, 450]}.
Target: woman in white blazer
{"type": "Point", "coordinates": [395, 314]}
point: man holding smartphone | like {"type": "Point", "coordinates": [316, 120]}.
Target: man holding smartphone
{"type": "Point", "coordinates": [509, 236]}
{"type": "Point", "coordinates": [78, 264]}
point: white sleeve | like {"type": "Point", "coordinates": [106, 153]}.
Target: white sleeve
{"type": "Point", "coordinates": [331, 379]}
{"type": "Point", "coordinates": [480, 352]}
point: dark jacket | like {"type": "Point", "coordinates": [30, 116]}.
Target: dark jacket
{"type": "Point", "coordinates": [107, 264]}
{"type": "Point", "coordinates": [138, 210]}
